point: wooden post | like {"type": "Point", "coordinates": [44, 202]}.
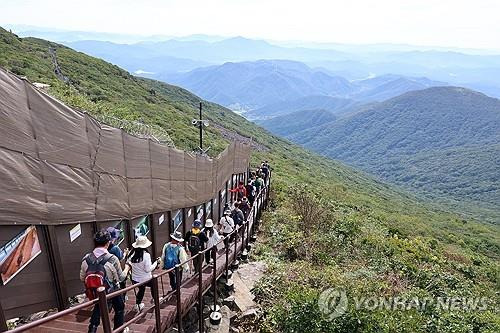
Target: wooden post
{"type": "Point", "coordinates": [3, 320]}
{"type": "Point", "coordinates": [184, 218]}
{"type": "Point", "coordinates": [219, 207]}
{"type": "Point", "coordinates": [103, 308]}
{"type": "Point", "coordinates": [227, 259]}
{"type": "Point", "coordinates": [214, 278]}
{"type": "Point", "coordinates": [156, 298]}
{"type": "Point", "coordinates": [178, 292]}
{"type": "Point", "coordinates": [200, 293]}
{"type": "Point", "coordinates": [56, 267]}
{"type": "Point", "coordinates": [153, 228]}
{"type": "Point", "coordinates": [128, 235]}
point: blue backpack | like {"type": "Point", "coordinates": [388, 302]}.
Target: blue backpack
{"type": "Point", "coordinates": [171, 256]}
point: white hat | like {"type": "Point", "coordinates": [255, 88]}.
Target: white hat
{"type": "Point", "coordinates": [209, 223]}
{"type": "Point", "coordinates": [142, 242]}
{"type": "Point", "coordinates": [177, 236]}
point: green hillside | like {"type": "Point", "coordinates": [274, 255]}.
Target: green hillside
{"type": "Point", "coordinates": [328, 226]}
{"type": "Point", "coordinates": [297, 121]}
{"type": "Point", "coordinates": [442, 142]}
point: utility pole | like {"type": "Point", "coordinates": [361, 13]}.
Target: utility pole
{"type": "Point", "coordinates": [200, 123]}
{"type": "Point", "coordinates": [201, 129]}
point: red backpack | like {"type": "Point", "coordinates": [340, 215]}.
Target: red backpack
{"type": "Point", "coordinates": [95, 276]}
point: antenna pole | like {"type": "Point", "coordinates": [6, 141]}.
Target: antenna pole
{"type": "Point", "coordinates": [201, 130]}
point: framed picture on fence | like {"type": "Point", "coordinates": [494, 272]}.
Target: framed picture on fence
{"type": "Point", "coordinates": [18, 253]}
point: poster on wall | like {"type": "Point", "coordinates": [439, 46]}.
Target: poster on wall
{"type": "Point", "coordinates": [120, 225]}
{"type": "Point", "coordinates": [161, 219]}
{"type": "Point", "coordinates": [18, 253]}
{"type": "Point", "coordinates": [199, 212]}
{"type": "Point", "coordinates": [177, 220]}
{"type": "Point", "coordinates": [142, 228]}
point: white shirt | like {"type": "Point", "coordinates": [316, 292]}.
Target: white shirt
{"type": "Point", "coordinates": [212, 240]}
{"type": "Point", "coordinates": [227, 224]}
{"type": "Point", "coordinates": [141, 271]}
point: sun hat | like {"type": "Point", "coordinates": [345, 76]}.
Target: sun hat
{"type": "Point", "coordinates": [177, 236]}
{"type": "Point", "coordinates": [209, 223]}
{"type": "Point", "coordinates": [115, 233]}
{"type": "Point", "coordinates": [197, 223]}
{"type": "Point", "coordinates": [142, 242]}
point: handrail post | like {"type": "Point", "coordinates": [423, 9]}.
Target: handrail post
{"type": "Point", "coordinates": [243, 235]}
{"type": "Point", "coordinates": [103, 308]}
{"type": "Point", "coordinates": [156, 298]}
{"type": "Point", "coordinates": [214, 278]}
{"type": "Point", "coordinates": [227, 261]}
{"type": "Point", "coordinates": [200, 293]}
{"type": "Point", "coordinates": [178, 292]}
{"type": "Point", "coordinates": [235, 243]}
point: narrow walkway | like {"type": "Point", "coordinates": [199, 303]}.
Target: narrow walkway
{"type": "Point", "coordinates": [79, 321]}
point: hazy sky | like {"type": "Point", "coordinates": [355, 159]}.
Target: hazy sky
{"type": "Point", "coordinates": [459, 23]}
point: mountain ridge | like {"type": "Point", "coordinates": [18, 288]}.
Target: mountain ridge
{"type": "Point", "coordinates": [369, 237]}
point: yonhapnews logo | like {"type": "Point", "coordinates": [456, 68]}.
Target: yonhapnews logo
{"type": "Point", "coordinates": [333, 303]}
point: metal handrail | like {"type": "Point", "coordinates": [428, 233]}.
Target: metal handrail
{"type": "Point", "coordinates": [103, 297]}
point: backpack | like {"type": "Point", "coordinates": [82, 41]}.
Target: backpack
{"type": "Point", "coordinates": [171, 256]}
{"type": "Point", "coordinates": [236, 216]}
{"type": "Point", "coordinates": [194, 243]}
{"type": "Point", "coordinates": [250, 191]}
{"type": "Point", "coordinates": [95, 276]}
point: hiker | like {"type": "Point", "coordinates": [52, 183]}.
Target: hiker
{"type": "Point", "coordinates": [265, 171]}
{"type": "Point", "coordinates": [115, 249]}
{"type": "Point", "coordinates": [245, 207]}
{"type": "Point", "coordinates": [240, 191]}
{"type": "Point", "coordinates": [250, 191]}
{"type": "Point", "coordinates": [102, 269]}
{"type": "Point", "coordinates": [141, 267]}
{"type": "Point", "coordinates": [226, 224]}
{"type": "Point", "coordinates": [173, 253]}
{"type": "Point", "coordinates": [213, 239]}
{"type": "Point", "coordinates": [196, 239]}
{"type": "Point", "coordinates": [237, 214]}
{"type": "Point", "coordinates": [258, 183]}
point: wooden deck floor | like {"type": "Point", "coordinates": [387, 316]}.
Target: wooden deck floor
{"type": "Point", "coordinates": [79, 321]}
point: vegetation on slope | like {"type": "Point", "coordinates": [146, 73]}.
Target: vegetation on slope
{"type": "Point", "coordinates": [297, 121]}
{"type": "Point", "coordinates": [442, 142]}
{"type": "Point", "coordinates": [367, 236]}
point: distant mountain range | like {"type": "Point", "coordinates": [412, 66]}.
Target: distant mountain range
{"type": "Point", "coordinates": [262, 85]}
{"type": "Point", "coordinates": [443, 142]}
{"type": "Point", "coordinates": [474, 69]}
{"type": "Point", "coordinates": [314, 102]}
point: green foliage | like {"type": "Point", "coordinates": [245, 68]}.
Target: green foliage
{"type": "Point", "coordinates": [442, 142]}
{"type": "Point", "coordinates": [362, 235]}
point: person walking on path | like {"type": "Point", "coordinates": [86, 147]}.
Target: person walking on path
{"type": "Point", "coordinates": [213, 238]}
{"type": "Point", "coordinates": [173, 253]}
{"type": "Point", "coordinates": [100, 265]}
{"type": "Point", "coordinates": [196, 240]}
{"type": "Point", "coordinates": [115, 249]}
{"type": "Point", "coordinates": [141, 266]}
{"type": "Point", "coordinates": [226, 225]}
{"type": "Point", "coordinates": [240, 191]}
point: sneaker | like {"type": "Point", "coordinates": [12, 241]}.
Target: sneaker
{"type": "Point", "coordinates": [126, 330]}
{"type": "Point", "coordinates": [138, 307]}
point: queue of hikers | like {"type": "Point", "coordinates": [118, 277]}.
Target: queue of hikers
{"type": "Point", "coordinates": [108, 266]}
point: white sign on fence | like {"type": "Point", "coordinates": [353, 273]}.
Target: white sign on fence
{"type": "Point", "coordinates": [75, 232]}
{"type": "Point", "coordinates": [161, 219]}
